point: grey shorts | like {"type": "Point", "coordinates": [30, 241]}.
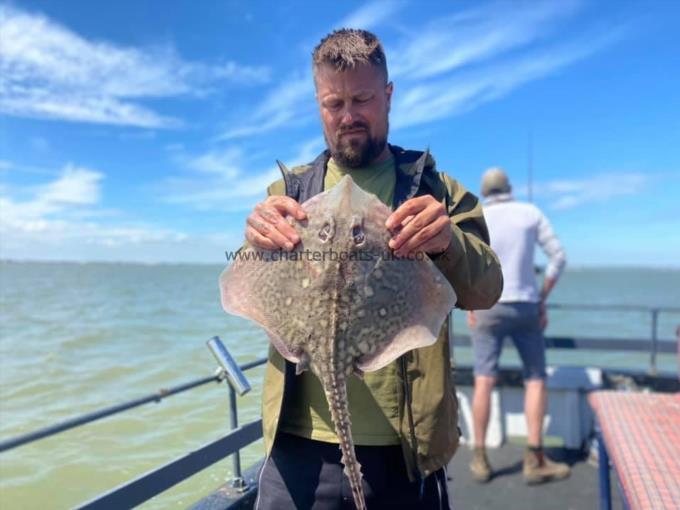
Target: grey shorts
{"type": "Point", "coordinates": [519, 321]}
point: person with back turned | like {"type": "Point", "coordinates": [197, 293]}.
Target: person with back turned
{"type": "Point", "coordinates": [515, 229]}
{"type": "Point", "coordinates": [405, 415]}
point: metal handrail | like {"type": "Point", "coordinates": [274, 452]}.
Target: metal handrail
{"type": "Point", "coordinates": [653, 310]}
{"type": "Point", "coordinates": [655, 347]}
{"type": "Point", "coordinates": [152, 483]}
{"type": "Point", "coordinates": [590, 344]}
{"type": "Point", "coordinates": [629, 308]}
{"type": "Point", "coordinates": [160, 479]}
{"type": "Point", "coordinates": [84, 419]}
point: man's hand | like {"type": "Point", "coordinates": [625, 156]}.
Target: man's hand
{"type": "Point", "coordinates": [420, 224]}
{"type": "Point", "coordinates": [471, 320]}
{"type": "Point", "coordinates": [267, 228]}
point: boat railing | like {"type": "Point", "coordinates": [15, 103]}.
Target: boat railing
{"type": "Point", "coordinates": [653, 345]}
{"type": "Point", "coordinates": [154, 482]}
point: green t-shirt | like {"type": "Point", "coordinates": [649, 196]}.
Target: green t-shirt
{"type": "Point", "coordinates": [374, 400]}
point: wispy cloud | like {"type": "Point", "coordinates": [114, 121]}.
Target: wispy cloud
{"type": "Point", "coordinates": [39, 144]}
{"type": "Point", "coordinates": [447, 66]}
{"type": "Point", "coordinates": [475, 36]}
{"type": "Point", "coordinates": [63, 219]}
{"type": "Point", "coordinates": [290, 104]}
{"type": "Point", "coordinates": [370, 15]}
{"type": "Point", "coordinates": [48, 71]}
{"type": "Point", "coordinates": [237, 187]}
{"type": "Point", "coordinates": [568, 193]}
{"type": "Point", "coordinates": [61, 210]}
{"type": "Point", "coordinates": [75, 187]}
{"type": "Point", "coordinates": [7, 167]}
{"type": "Point", "coordinates": [462, 92]}
{"type": "Point", "coordinates": [225, 163]}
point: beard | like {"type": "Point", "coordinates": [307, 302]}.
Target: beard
{"type": "Point", "coordinates": [354, 152]}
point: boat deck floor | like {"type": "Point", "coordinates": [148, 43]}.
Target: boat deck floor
{"type": "Point", "coordinates": [507, 490]}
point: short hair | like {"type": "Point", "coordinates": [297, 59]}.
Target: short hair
{"type": "Point", "coordinates": [347, 48]}
{"type": "Point", "coordinates": [495, 181]}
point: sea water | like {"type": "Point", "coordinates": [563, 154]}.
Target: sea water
{"type": "Point", "coordinates": [78, 337]}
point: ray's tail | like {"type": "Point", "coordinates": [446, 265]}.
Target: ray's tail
{"type": "Point", "coordinates": [336, 394]}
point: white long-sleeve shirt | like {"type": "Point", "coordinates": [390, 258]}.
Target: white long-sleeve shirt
{"type": "Point", "coordinates": [515, 228]}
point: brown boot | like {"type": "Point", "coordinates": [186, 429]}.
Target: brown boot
{"type": "Point", "coordinates": [480, 467]}
{"type": "Point", "coordinates": [538, 468]}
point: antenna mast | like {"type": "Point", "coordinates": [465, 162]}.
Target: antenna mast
{"type": "Point", "coordinates": [530, 166]}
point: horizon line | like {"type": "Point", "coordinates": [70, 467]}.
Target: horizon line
{"type": "Point", "coordinates": [10, 260]}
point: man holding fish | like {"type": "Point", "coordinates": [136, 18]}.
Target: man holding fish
{"type": "Point", "coordinates": [405, 414]}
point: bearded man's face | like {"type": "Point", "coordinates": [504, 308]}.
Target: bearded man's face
{"type": "Point", "coordinates": [354, 106]}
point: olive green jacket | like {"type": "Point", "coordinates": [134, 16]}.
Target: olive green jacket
{"type": "Point", "coordinates": [428, 418]}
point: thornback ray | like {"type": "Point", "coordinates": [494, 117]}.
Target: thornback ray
{"type": "Point", "coordinates": [340, 303]}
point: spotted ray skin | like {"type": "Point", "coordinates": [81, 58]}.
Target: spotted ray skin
{"type": "Point", "coordinates": [340, 303]}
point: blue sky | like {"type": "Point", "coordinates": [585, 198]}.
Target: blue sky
{"type": "Point", "coordinates": [146, 131]}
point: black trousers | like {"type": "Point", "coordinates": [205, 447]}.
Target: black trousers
{"type": "Point", "coordinates": [302, 474]}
